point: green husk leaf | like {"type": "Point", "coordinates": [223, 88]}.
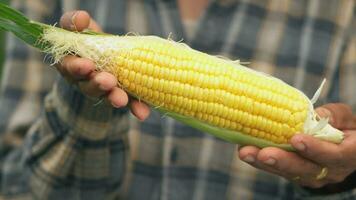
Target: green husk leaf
{"type": "Point", "coordinates": [225, 134]}
{"type": "Point", "coordinates": [91, 32]}
{"type": "Point", "coordinates": [2, 43]}
{"type": "Point", "coordinates": [18, 31]}
{"type": "Point", "coordinates": [15, 22]}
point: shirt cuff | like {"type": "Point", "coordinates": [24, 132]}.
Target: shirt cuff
{"type": "Point", "coordinates": [71, 112]}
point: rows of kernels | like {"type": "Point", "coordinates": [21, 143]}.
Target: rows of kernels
{"type": "Point", "coordinates": [206, 81]}
{"type": "Point", "coordinates": [185, 105]}
{"type": "Point", "coordinates": [267, 95]}
{"type": "Point", "coordinates": [212, 109]}
{"type": "Point", "coordinates": [178, 50]}
{"type": "Point", "coordinates": [274, 85]}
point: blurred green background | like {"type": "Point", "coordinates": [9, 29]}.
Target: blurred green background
{"type": "Point", "coordinates": [2, 43]}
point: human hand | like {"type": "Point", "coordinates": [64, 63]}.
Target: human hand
{"type": "Point", "coordinates": [316, 163]}
{"type": "Point", "coordinates": [82, 71]}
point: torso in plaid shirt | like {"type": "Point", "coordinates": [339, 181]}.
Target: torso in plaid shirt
{"type": "Point", "coordinates": [57, 144]}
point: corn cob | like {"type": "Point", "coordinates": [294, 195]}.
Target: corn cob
{"type": "Point", "coordinates": [215, 95]}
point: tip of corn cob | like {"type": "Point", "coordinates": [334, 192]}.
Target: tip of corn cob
{"type": "Point", "coordinates": [319, 127]}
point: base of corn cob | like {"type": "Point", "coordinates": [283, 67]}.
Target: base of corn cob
{"type": "Point", "coordinates": [214, 95]}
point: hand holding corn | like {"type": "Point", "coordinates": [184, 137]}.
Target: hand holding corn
{"type": "Point", "coordinates": [81, 71]}
{"type": "Point", "coordinates": [214, 95]}
{"type": "Point", "coordinates": [312, 155]}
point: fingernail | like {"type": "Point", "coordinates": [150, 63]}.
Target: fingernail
{"type": "Point", "coordinates": [114, 105]}
{"type": "Point", "coordinates": [72, 26]}
{"type": "Point", "coordinates": [331, 119]}
{"type": "Point", "coordinates": [300, 146]}
{"type": "Point", "coordinates": [249, 159]}
{"type": "Point", "coordinates": [99, 80]}
{"type": "Point", "coordinates": [270, 161]}
{"type": "Point", "coordinates": [327, 114]}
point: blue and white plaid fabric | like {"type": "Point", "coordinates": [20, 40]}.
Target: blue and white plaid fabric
{"type": "Point", "coordinates": [55, 143]}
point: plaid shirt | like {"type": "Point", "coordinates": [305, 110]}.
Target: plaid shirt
{"type": "Point", "coordinates": [58, 144]}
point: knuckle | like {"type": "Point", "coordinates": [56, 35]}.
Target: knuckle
{"type": "Point", "coordinates": [269, 152]}
{"type": "Point", "coordinates": [67, 61]}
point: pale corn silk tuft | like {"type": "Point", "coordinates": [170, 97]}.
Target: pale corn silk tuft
{"type": "Point", "coordinates": [288, 110]}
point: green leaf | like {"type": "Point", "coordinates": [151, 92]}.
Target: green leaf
{"type": "Point", "coordinates": [26, 36]}
{"type": "Point", "coordinates": [225, 134]}
{"type": "Point", "coordinates": [21, 26]}
{"type": "Point", "coordinates": [91, 32]}
{"type": "Point", "coordinates": [2, 43]}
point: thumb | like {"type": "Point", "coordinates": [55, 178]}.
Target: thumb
{"type": "Point", "coordinates": [75, 20]}
{"type": "Point", "coordinates": [340, 115]}
{"type": "Point", "coordinates": [78, 21]}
